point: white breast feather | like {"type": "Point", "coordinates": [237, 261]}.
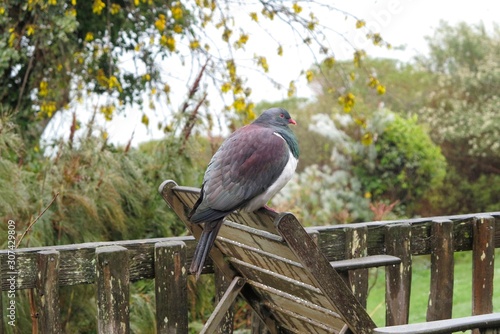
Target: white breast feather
{"type": "Point", "coordinates": [283, 179]}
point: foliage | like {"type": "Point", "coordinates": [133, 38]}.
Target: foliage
{"type": "Point", "coordinates": [407, 164]}
{"type": "Point", "coordinates": [104, 193]}
{"type": "Point", "coordinates": [116, 56]}
{"type": "Point", "coordinates": [463, 107]}
{"type": "Point", "coordinates": [400, 166]}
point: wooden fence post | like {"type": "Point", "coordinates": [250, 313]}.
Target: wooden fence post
{"type": "Point", "coordinates": [398, 277]}
{"type": "Point", "coordinates": [113, 279]}
{"type": "Point", "coordinates": [442, 271]}
{"type": "Point", "coordinates": [483, 259]}
{"type": "Point", "coordinates": [356, 246]}
{"type": "Point", "coordinates": [171, 288]}
{"type": "Point", "coordinates": [47, 292]}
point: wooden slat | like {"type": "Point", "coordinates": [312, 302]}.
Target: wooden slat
{"type": "Point", "coordinates": [112, 290]}
{"type": "Point", "coordinates": [445, 326]}
{"type": "Point", "coordinates": [483, 258]}
{"type": "Point", "coordinates": [442, 271]}
{"type": "Point", "coordinates": [262, 240]}
{"type": "Point", "coordinates": [280, 282]}
{"type": "Point", "coordinates": [266, 261]}
{"type": "Point", "coordinates": [296, 322]}
{"type": "Point", "coordinates": [261, 219]}
{"type": "Point", "coordinates": [297, 305]}
{"type": "Point", "coordinates": [325, 277]}
{"type": "Point", "coordinates": [356, 247]}
{"type": "Point", "coordinates": [372, 261]}
{"type": "Point", "coordinates": [398, 277]}
{"type": "Point", "coordinates": [47, 293]}
{"type": "Point", "coordinates": [222, 285]}
{"type": "Point", "coordinates": [171, 288]}
{"type": "Point", "coordinates": [220, 311]}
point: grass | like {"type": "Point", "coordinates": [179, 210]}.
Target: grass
{"type": "Point", "coordinates": [462, 290]}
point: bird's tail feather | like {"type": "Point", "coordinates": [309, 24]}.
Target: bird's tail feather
{"type": "Point", "coordinates": [205, 243]}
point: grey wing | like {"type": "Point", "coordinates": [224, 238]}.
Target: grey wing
{"type": "Point", "coordinates": [247, 163]}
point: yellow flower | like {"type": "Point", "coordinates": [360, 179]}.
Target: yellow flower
{"type": "Point", "coordinates": [360, 24]}
{"type": "Point", "coordinates": [161, 23]}
{"type": "Point", "coordinates": [239, 104]}
{"type": "Point", "coordinates": [368, 195]}
{"type": "Point", "coordinates": [291, 89]}
{"type": "Point", "coordinates": [242, 40]}
{"type": "Point", "coordinates": [329, 62]}
{"type": "Point", "coordinates": [113, 82]}
{"type": "Point", "coordinates": [30, 30]}
{"type": "Point", "coordinates": [44, 88]}
{"type": "Point", "coordinates": [309, 75]}
{"type": "Point", "coordinates": [98, 6]}
{"type": "Point", "coordinates": [381, 89]}
{"type": "Point", "coordinates": [146, 77]}
{"type": "Point", "coordinates": [296, 8]}
{"type": "Point", "coordinates": [89, 37]}
{"type": "Point", "coordinates": [194, 44]}
{"type": "Point", "coordinates": [73, 2]}
{"type": "Point", "coordinates": [367, 139]}
{"type": "Point", "coordinates": [226, 86]}
{"type": "Point", "coordinates": [2, 10]}
{"type": "Point", "coordinates": [262, 61]}
{"type": "Point", "coordinates": [280, 50]}
{"type": "Point", "coordinates": [52, 2]}
{"type": "Point", "coordinates": [115, 8]}
{"type": "Point", "coordinates": [177, 28]}
{"type": "Point", "coordinates": [107, 111]}
{"type": "Point", "coordinates": [176, 11]}
{"type": "Point", "coordinates": [254, 17]}
{"type": "Point", "coordinates": [168, 41]}
{"type": "Point", "coordinates": [347, 101]}
{"type": "Point", "coordinates": [145, 120]}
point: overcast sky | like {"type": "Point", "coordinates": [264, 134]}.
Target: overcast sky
{"type": "Point", "coordinates": [401, 23]}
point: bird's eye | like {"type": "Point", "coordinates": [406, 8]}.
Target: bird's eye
{"type": "Point", "coordinates": [282, 115]}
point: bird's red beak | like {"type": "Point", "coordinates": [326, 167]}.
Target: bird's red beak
{"type": "Point", "coordinates": [291, 121]}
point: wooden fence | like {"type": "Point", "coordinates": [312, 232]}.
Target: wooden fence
{"type": "Point", "coordinates": [111, 266]}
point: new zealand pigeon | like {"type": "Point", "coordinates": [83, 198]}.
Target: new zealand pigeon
{"type": "Point", "coordinates": [249, 168]}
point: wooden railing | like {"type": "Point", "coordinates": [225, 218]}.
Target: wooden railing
{"type": "Point", "coordinates": [111, 266]}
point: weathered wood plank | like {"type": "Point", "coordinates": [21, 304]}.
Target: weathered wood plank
{"type": "Point", "coordinates": [440, 302]}
{"type": "Point", "coordinates": [262, 240]}
{"type": "Point", "coordinates": [112, 282]}
{"type": "Point", "coordinates": [77, 267]}
{"type": "Point", "coordinates": [483, 257]}
{"type": "Point", "coordinates": [332, 241]}
{"type": "Point", "coordinates": [77, 261]}
{"type": "Point", "coordinates": [225, 303]}
{"type": "Point", "coordinates": [398, 277]}
{"type": "Point", "coordinates": [222, 285]}
{"type": "Point", "coordinates": [299, 306]}
{"type": "Point", "coordinates": [356, 247]}
{"type": "Point", "coordinates": [445, 326]}
{"type": "Point", "coordinates": [171, 288]}
{"type": "Point", "coordinates": [47, 293]}
{"type": "Point", "coordinates": [283, 283]}
{"type": "Point", "coordinates": [296, 322]}
{"type": "Point", "coordinates": [2, 328]}
{"type": "Point", "coordinates": [325, 277]}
